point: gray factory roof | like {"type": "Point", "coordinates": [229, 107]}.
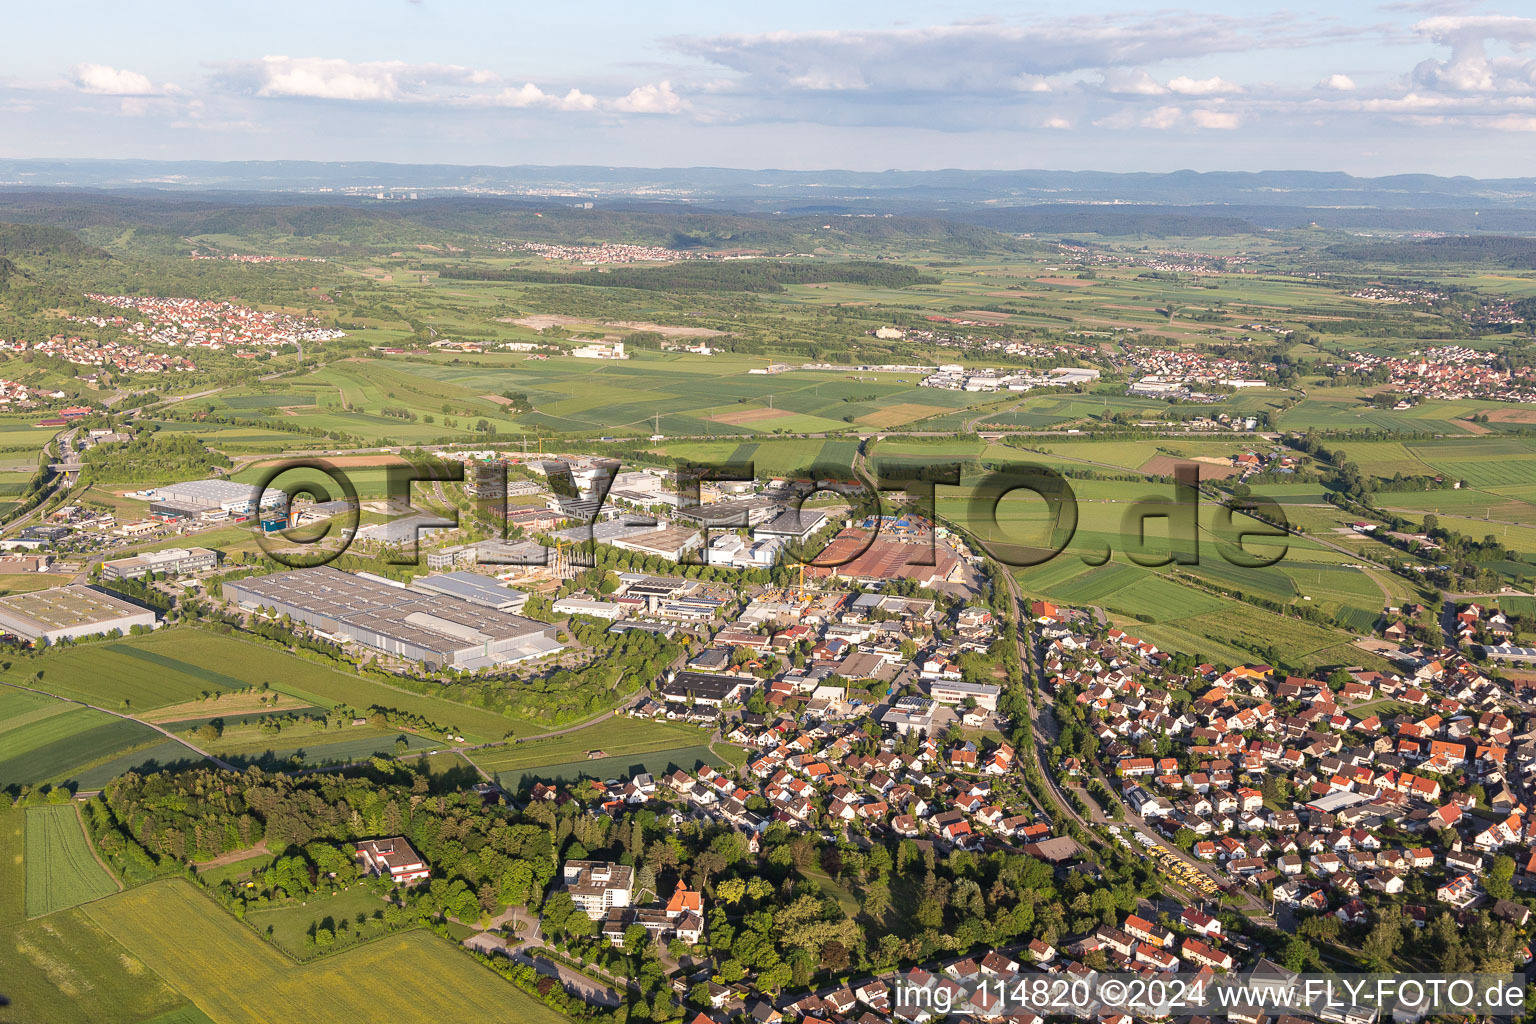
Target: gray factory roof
{"type": "Point", "coordinates": [793, 523]}
{"type": "Point", "coordinates": [736, 513]}
{"type": "Point", "coordinates": [63, 608]}
{"type": "Point", "coordinates": [404, 530]}
{"type": "Point", "coordinates": [208, 492]}
{"type": "Point", "coordinates": [471, 587]}
{"type": "Point", "coordinates": [435, 622]}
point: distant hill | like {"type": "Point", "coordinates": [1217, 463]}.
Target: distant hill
{"type": "Point", "coordinates": [39, 240]}
{"type": "Point", "coordinates": [712, 276]}
{"type": "Point", "coordinates": [1516, 253]}
{"type": "Point", "coordinates": [163, 220]}
{"type": "Point", "coordinates": [770, 190]}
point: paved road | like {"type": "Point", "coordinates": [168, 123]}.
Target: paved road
{"type": "Point", "coordinates": [528, 927]}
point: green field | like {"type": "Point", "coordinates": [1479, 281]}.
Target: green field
{"type": "Point", "coordinates": [44, 739]}
{"type": "Point", "coordinates": [288, 923]}
{"type": "Point", "coordinates": [184, 938]}
{"type": "Point", "coordinates": [61, 870]}
{"type": "Point", "coordinates": [172, 666]}
{"type": "Point", "coordinates": [618, 736]}
{"type": "Point", "coordinates": [63, 969]}
{"type": "Point", "coordinates": [656, 762]}
{"type": "Point", "coordinates": [356, 743]}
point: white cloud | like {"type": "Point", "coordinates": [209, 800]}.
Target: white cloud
{"type": "Point", "coordinates": [650, 99]}
{"type": "Point", "coordinates": [1337, 83]}
{"type": "Point", "coordinates": [1219, 119]}
{"type": "Point", "coordinates": [531, 95]}
{"type": "Point", "coordinates": [1186, 86]}
{"type": "Point", "coordinates": [1135, 82]}
{"type": "Point", "coordinates": [394, 82]}
{"type": "Point", "coordinates": [982, 57]}
{"type": "Point", "coordinates": [323, 78]}
{"type": "Point", "coordinates": [1470, 68]}
{"type": "Point", "coordinates": [109, 81]}
{"type": "Point", "coordinates": [1159, 118]}
{"type": "Point", "coordinates": [1058, 123]}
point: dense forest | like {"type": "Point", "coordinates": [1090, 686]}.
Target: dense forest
{"type": "Point", "coordinates": [148, 458]}
{"type": "Point", "coordinates": [1505, 250]}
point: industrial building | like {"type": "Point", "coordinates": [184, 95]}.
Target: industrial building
{"type": "Point", "coordinates": [173, 561]}
{"type": "Point", "coordinates": [704, 688]}
{"type": "Point", "coordinates": [69, 612]}
{"type": "Point", "coordinates": [653, 538]}
{"type": "Point", "coordinates": [731, 515]}
{"type": "Point", "coordinates": [474, 588]}
{"type": "Point", "coordinates": [423, 622]}
{"type": "Point", "coordinates": [226, 495]}
{"type": "Point", "coordinates": [792, 524]}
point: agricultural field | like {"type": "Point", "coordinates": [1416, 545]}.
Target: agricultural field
{"type": "Point", "coordinates": [657, 762]}
{"type": "Point", "coordinates": [184, 938]}
{"type": "Point", "coordinates": [417, 399]}
{"type": "Point", "coordinates": [322, 747]}
{"type": "Point", "coordinates": [63, 968]}
{"type": "Point", "coordinates": [1191, 599]}
{"type": "Point", "coordinates": [225, 706]}
{"type": "Point", "coordinates": [618, 736]}
{"type": "Point", "coordinates": [44, 739]}
{"type": "Point", "coordinates": [62, 871]}
{"type": "Point", "coordinates": [171, 667]}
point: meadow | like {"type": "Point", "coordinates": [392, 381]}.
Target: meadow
{"type": "Point", "coordinates": [619, 736]}
{"type": "Point", "coordinates": [184, 938]}
{"type": "Point", "coordinates": [63, 968]}
{"type": "Point", "coordinates": [657, 762]}
{"type": "Point", "coordinates": [61, 870]}
{"type": "Point", "coordinates": [171, 667]}
{"type": "Point", "coordinates": [288, 923]}
{"type": "Point", "coordinates": [44, 739]}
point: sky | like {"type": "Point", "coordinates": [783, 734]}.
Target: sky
{"type": "Point", "coordinates": [1425, 86]}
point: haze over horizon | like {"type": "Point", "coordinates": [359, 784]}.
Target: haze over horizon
{"type": "Point", "coordinates": [1424, 87]}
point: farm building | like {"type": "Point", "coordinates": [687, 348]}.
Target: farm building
{"type": "Point", "coordinates": [67, 612]}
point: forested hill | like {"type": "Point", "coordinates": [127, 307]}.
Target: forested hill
{"type": "Point", "coordinates": [733, 276]}
{"type": "Point", "coordinates": [1505, 250]}
{"type": "Point", "coordinates": [32, 251]}
{"type": "Point", "coordinates": [1158, 222]}
{"type": "Point", "coordinates": [334, 224]}
{"type": "Point", "coordinates": [44, 242]}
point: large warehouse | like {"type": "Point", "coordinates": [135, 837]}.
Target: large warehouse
{"type": "Point", "coordinates": [420, 623]}
{"type": "Point", "coordinates": [226, 495]}
{"type": "Point", "coordinates": [68, 612]}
